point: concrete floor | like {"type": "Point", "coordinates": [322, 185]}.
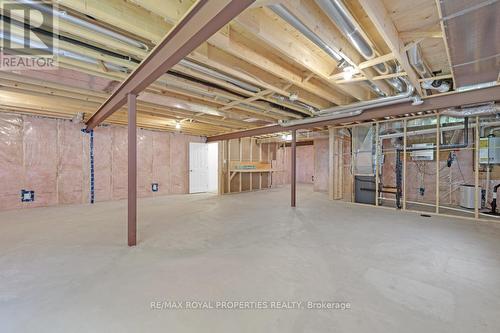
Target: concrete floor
{"type": "Point", "coordinates": [67, 269]}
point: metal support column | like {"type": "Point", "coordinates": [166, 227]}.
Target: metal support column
{"type": "Point", "coordinates": [132, 170]}
{"type": "Point", "coordinates": [294, 167]}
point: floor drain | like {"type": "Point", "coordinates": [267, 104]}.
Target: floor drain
{"type": "Point", "coordinates": [425, 215]}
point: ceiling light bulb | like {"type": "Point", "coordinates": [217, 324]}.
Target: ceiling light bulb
{"type": "Point", "coordinates": [293, 97]}
{"type": "Point", "coordinates": [283, 137]}
{"type": "Point", "coordinates": [348, 72]}
{"type": "Point", "coordinates": [177, 125]}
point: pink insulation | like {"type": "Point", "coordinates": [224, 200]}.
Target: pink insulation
{"type": "Point", "coordinates": [41, 149]}
{"type": "Point", "coordinates": [119, 162]}
{"type": "Point", "coordinates": [70, 164]}
{"type": "Point", "coordinates": [11, 160]}
{"type": "Point", "coordinates": [312, 163]}
{"type": "Point", "coordinates": [51, 157]}
{"type": "Point", "coordinates": [144, 162]}
{"type": "Point", "coordinates": [321, 165]}
{"type": "Point", "coordinates": [103, 163]}
{"type": "Point", "coordinates": [305, 164]}
{"type": "Point", "coordinates": [161, 161]}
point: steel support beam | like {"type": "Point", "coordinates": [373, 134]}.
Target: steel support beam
{"type": "Point", "coordinates": [294, 168]}
{"type": "Point", "coordinates": [132, 170]}
{"type": "Point", "coordinates": [204, 19]}
{"type": "Point", "coordinates": [435, 102]}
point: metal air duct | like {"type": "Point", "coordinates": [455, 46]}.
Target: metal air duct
{"type": "Point", "coordinates": [417, 62]}
{"type": "Point", "coordinates": [217, 75]}
{"type": "Point", "coordinates": [345, 22]}
{"type": "Point", "coordinates": [358, 108]}
{"type": "Point", "coordinates": [82, 23]}
{"type": "Point", "coordinates": [282, 12]}
{"type": "Point", "coordinates": [63, 53]}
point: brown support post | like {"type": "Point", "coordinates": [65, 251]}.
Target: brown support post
{"type": "Point", "coordinates": [132, 170]}
{"type": "Point", "coordinates": [294, 166]}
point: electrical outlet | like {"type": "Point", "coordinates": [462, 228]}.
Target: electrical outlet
{"type": "Point", "coordinates": [155, 187]}
{"type": "Point", "coordinates": [27, 196]}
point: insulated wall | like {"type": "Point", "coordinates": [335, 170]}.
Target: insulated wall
{"type": "Point", "coordinates": [312, 165]}
{"type": "Point", "coordinates": [51, 157]}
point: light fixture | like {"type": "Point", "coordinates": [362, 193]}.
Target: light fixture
{"type": "Point", "coordinates": [348, 72]}
{"type": "Point", "coordinates": [177, 125]}
{"type": "Point", "coordinates": [293, 96]}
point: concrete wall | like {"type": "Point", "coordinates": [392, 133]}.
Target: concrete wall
{"type": "Point", "coordinates": [51, 157]}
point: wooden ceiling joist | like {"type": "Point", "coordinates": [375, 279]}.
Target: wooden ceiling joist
{"type": "Point", "coordinates": [376, 11]}
{"type": "Point", "coordinates": [202, 21]}
{"type": "Point", "coordinates": [435, 102]}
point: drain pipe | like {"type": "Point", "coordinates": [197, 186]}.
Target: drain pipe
{"type": "Point", "coordinates": [82, 23]}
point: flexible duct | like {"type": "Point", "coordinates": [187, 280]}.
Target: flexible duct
{"type": "Point", "coordinates": [417, 62]}
{"type": "Point", "coordinates": [481, 110]}
{"type": "Point", "coordinates": [82, 23]}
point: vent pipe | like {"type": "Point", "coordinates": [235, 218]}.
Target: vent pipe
{"type": "Point", "coordinates": [417, 62]}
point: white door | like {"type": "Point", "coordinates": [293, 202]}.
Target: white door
{"type": "Point", "coordinates": [198, 167]}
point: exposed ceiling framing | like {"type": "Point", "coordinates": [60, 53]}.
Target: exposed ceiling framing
{"type": "Point", "coordinates": [265, 69]}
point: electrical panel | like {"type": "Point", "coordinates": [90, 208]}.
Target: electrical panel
{"type": "Point", "coordinates": [489, 150]}
{"type": "Point", "coordinates": [424, 154]}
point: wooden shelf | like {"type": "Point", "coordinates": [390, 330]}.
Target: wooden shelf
{"type": "Point", "coordinates": [251, 170]}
